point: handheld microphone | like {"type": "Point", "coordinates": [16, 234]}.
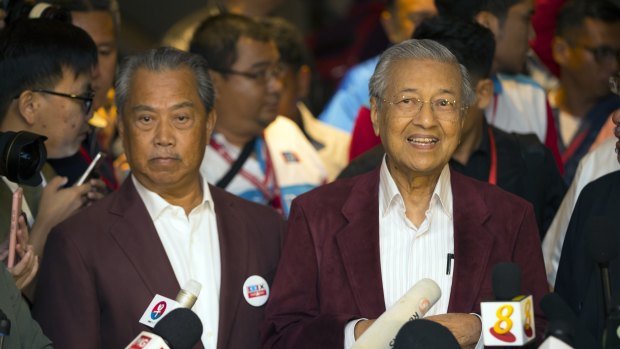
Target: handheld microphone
{"type": "Point", "coordinates": [5, 327]}
{"type": "Point", "coordinates": [557, 311]}
{"type": "Point", "coordinates": [188, 295]}
{"type": "Point", "coordinates": [425, 334]}
{"type": "Point", "coordinates": [412, 306]}
{"type": "Point", "coordinates": [509, 320]}
{"type": "Point", "coordinates": [160, 306]}
{"type": "Point", "coordinates": [602, 246]}
{"type": "Point", "coordinates": [180, 329]}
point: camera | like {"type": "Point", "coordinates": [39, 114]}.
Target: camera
{"type": "Point", "coordinates": [22, 155]}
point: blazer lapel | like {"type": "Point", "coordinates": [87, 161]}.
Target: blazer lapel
{"type": "Point", "coordinates": [472, 244]}
{"type": "Point", "coordinates": [136, 235]}
{"type": "Point", "coordinates": [233, 252]}
{"type": "Point", "coordinates": [358, 242]}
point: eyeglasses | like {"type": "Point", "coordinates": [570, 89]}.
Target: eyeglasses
{"type": "Point", "coordinates": [275, 71]}
{"type": "Point", "coordinates": [442, 108]}
{"type": "Point", "coordinates": [602, 54]}
{"type": "Point", "coordinates": [87, 99]}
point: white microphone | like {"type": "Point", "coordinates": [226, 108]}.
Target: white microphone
{"type": "Point", "coordinates": [412, 306]}
{"type": "Point", "coordinates": [147, 340]}
{"type": "Point", "coordinates": [188, 295]}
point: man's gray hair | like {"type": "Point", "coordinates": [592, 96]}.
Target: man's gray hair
{"type": "Point", "coordinates": [165, 59]}
{"type": "Point", "coordinates": [423, 49]}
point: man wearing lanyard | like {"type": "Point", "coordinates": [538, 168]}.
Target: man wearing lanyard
{"type": "Point", "coordinates": [253, 153]}
{"type": "Point", "coordinates": [519, 164]}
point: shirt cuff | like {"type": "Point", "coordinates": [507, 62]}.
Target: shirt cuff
{"type": "Point", "coordinates": [349, 333]}
{"type": "Point", "coordinates": [480, 344]}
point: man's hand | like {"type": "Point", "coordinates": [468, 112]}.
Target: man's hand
{"type": "Point", "coordinates": [466, 328]}
{"type": "Point", "coordinates": [24, 271]}
{"type": "Point", "coordinates": [98, 191]}
{"type": "Point", "coordinates": [361, 327]}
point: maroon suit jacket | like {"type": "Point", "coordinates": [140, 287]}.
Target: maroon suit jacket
{"type": "Point", "coordinates": [103, 266]}
{"type": "Point", "coordinates": [330, 272]}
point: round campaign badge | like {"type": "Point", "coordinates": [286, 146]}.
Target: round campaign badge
{"type": "Point", "coordinates": [256, 291]}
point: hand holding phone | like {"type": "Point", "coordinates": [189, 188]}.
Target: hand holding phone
{"type": "Point", "coordinates": [90, 169]}
{"type": "Point", "coordinates": [16, 210]}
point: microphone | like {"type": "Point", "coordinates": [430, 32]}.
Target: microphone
{"type": "Point", "coordinates": [602, 246]}
{"type": "Point", "coordinates": [412, 306]}
{"type": "Point", "coordinates": [180, 329]}
{"type": "Point", "coordinates": [160, 305]}
{"type": "Point", "coordinates": [425, 334]}
{"type": "Point", "coordinates": [188, 295]}
{"type": "Point", "coordinates": [509, 320]}
{"type": "Point", "coordinates": [5, 327]}
{"type": "Point", "coordinates": [563, 324]}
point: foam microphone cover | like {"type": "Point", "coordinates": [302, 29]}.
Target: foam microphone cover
{"type": "Point", "coordinates": [602, 241]}
{"type": "Point", "coordinates": [557, 311]}
{"type": "Point", "coordinates": [181, 329]}
{"type": "Point", "coordinates": [424, 334]}
{"type": "Point", "coordinates": [506, 281]}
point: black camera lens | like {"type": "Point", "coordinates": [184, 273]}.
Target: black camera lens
{"type": "Point", "coordinates": [22, 155]}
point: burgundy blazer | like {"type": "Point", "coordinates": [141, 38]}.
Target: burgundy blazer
{"type": "Point", "coordinates": [103, 266]}
{"type": "Point", "coordinates": [330, 272]}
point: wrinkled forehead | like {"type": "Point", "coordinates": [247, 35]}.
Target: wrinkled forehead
{"type": "Point", "coordinates": [423, 76]}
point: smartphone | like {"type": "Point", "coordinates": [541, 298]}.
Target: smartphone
{"type": "Point", "coordinates": [16, 211]}
{"type": "Point", "coordinates": [90, 168]}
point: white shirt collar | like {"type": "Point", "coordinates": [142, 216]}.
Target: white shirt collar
{"type": "Point", "coordinates": [391, 195]}
{"type": "Point", "coordinates": [155, 204]}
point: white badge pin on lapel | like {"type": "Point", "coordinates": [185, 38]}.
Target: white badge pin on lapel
{"type": "Point", "coordinates": [256, 291]}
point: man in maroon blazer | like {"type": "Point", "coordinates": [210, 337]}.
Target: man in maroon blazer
{"type": "Point", "coordinates": [353, 245]}
{"type": "Point", "coordinates": [103, 266]}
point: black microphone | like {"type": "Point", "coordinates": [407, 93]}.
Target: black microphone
{"type": "Point", "coordinates": [181, 329]}
{"type": "Point", "coordinates": [5, 327]}
{"type": "Point", "coordinates": [602, 247]}
{"type": "Point", "coordinates": [506, 280]}
{"type": "Point", "coordinates": [563, 323]}
{"type": "Point", "coordinates": [424, 333]}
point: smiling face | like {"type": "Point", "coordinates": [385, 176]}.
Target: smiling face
{"type": "Point", "coordinates": [418, 144]}
{"type": "Point", "coordinates": [165, 129]}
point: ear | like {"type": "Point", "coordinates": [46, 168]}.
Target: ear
{"type": "Point", "coordinates": [489, 21]}
{"type": "Point", "coordinates": [388, 22]}
{"type": "Point", "coordinates": [28, 105]}
{"type": "Point", "coordinates": [304, 79]}
{"type": "Point", "coordinates": [560, 49]}
{"type": "Point", "coordinates": [374, 115]}
{"type": "Point", "coordinates": [484, 93]}
{"type": "Point", "coordinates": [211, 120]}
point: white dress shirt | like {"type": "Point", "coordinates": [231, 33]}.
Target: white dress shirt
{"type": "Point", "coordinates": [192, 245]}
{"type": "Point", "coordinates": [409, 253]}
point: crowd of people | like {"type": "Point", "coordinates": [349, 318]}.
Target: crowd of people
{"type": "Point", "coordinates": [481, 133]}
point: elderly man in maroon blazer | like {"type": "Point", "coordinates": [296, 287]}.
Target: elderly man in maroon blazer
{"type": "Point", "coordinates": [165, 225]}
{"type": "Point", "coordinates": [354, 247]}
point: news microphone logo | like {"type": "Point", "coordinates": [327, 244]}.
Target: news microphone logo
{"type": "Point", "coordinates": [158, 310]}
{"type": "Point", "coordinates": [508, 322]}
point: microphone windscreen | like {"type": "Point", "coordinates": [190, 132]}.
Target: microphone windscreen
{"type": "Point", "coordinates": [424, 334]}
{"type": "Point", "coordinates": [181, 328]}
{"type": "Point", "coordinates": [602, 242]}
{"type": "Point", "coordinates": [506, 281]}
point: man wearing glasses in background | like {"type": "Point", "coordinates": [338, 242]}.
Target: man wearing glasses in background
{"type": "Point", "coordinates": [586, 48]}
{"type": "Point", "coordinates": [45, 88]}
{"type": "Point", "coordinates": [253, 153]}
